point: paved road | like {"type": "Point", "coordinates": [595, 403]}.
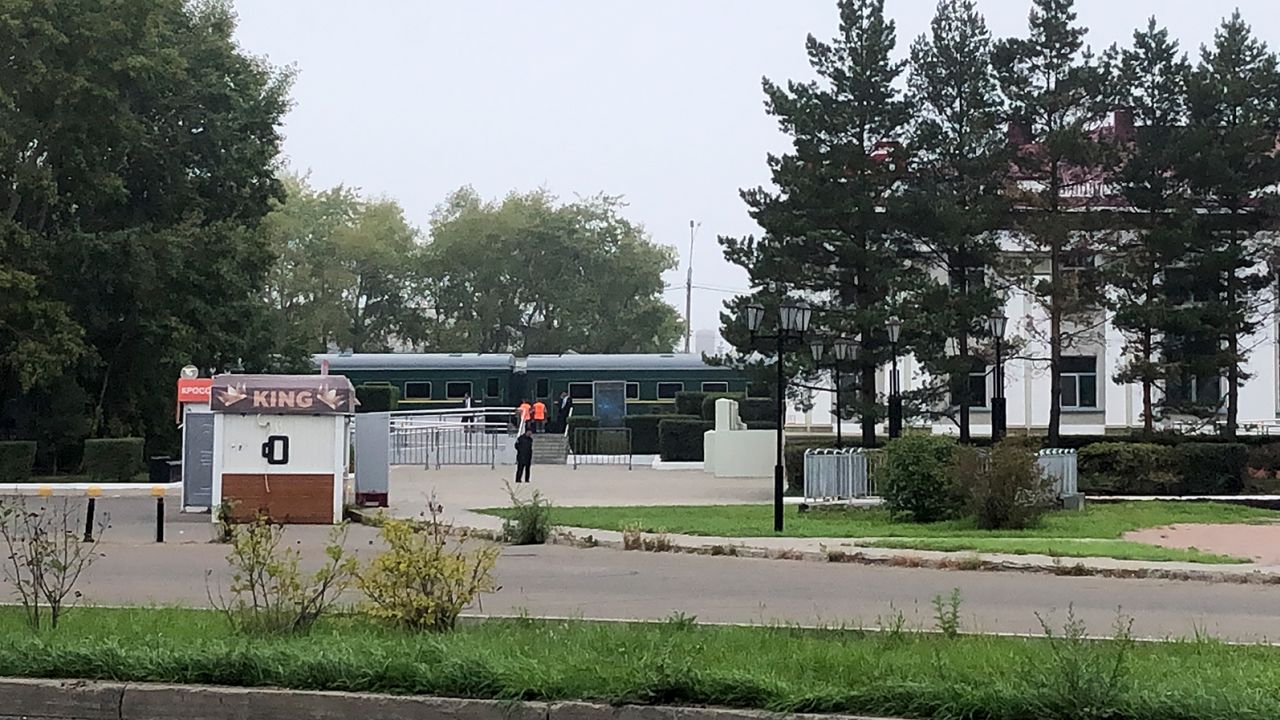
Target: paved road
{"type": "Point", "coordinates": [603, 583]}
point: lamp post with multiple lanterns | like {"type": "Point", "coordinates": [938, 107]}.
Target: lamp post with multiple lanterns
{"type": "Point", "coordinates": [997, 323]}
{"type": "Point", "coordinates": [793, 322]}
{"type": "Point", "coordinates": [842, 351]}
{"type": "Point", "coordinates": [894, 328]}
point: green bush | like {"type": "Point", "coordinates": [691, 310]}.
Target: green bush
{"type": "Point", "coordinates": [708, 410]}
{"type": "Point", "coordinates": [17, 457]}
{"type": "Point", "coordinates": [650, 408]}
{"type": "Point", "coordinates": [917, 485]}
{"type": "Point", "coordinates": [580, 421]}
{"type": "Point", "coordinates": [1210, 468]}
{"type": "Point", "coordinates": [681, 440]}
{"type": "Point", "coordinates": [113, 459]}
{"type": "Point", "coordinates": [1263, 469]}
{"type": "Point", "coordinates": [755, 410]}
{"type": "Point", "coordinates": [1127, 468]}
{"type": "Point", "coordinates": [644, 431]}
{"type": "Point", "coordinates": [1004, 488]}
{"type": "Point", "coordinates": [689, 402]}
{"type": "Point", "coordinates": [377, 398]}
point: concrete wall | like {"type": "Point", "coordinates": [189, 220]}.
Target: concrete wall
{"type": "Point", "coordinates": [84, 700]}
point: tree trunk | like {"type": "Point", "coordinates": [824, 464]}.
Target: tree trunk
{"type": "Point", "coordinates": [867, 390]}
{"type": "Point", "coordinates": [962, 343]}
{"type": "Point", "coordinates": [1148, 413]}
{"type": "Point", "coordinates": [1233, 359]}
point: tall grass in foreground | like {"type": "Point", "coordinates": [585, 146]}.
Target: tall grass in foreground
{"type": "Point", "coordinates": [900, 673]}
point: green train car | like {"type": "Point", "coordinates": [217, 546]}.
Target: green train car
{"type": "Point", "coordinates": [443, 380]}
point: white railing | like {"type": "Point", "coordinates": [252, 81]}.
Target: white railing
{"type": "Point", "coordinates": [453, 436]}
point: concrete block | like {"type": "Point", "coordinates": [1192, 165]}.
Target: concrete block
{"type": "Point", "coordinates": [60, 699]}
{"type": "Point", "coordinates": [166, 702]}
{"type": "Point", "coordinates": [1073, 502]}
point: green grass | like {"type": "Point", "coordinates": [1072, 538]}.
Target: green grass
{"type": "Point", "coordinates": [1074, 548]}
{"type": "Point", "coordinates": [776, 669]}
{"type": "Point", "coordinates": [1098, 522]}
{"type": "Point", "coordinates": [54, 479]}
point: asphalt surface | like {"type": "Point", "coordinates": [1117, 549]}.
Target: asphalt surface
{"type": "Point", "coordinates": [605, 583]}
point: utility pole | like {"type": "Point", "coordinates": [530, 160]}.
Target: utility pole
{"type": "Point", "coordinates": [688, 290]}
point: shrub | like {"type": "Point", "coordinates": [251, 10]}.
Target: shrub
{"type": "Point", "coordinates": [1006, 489]}
{"type": "Point", "coordinates": [530, 520]}
{"type": "Point", "coordinates": [644, 431]}
{"type": "Point", "coordinates": [17, 457]}
{"type": "Point", "coordinates": [708, 409]}
{"type": "Point", "coordinates": [681, 440]}
{"type": "Point", "coordinates": [423, 580]}
{"type": "Point", "coordinates": [689, 402]}
{"type": "Point", "coordinates": [917, 485]}
{"type": "Point", "coordinates": [580, 421]}
{"type": "Point", "coordinates": [113, 459]}
{"type": "Point", "coordinates": [377, 398]}
{"type": "Point", "coordinates": [1127, 468]}
{"type": "Point", "coordinates": [1263, 468]}
{"type": "Point", "coordinates": [651, 408]}
{"type": "Point", "coordinates": [269, 593]}
{"type": "Point", "coordinates": [1210, 468]}
{"type": "Point", "coordinates": [43, 556]}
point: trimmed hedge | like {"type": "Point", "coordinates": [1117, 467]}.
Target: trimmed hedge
{"type": "Point", "coordinates": [708, 407]}
{"type": "Point", "coordinates": [749, 409]}
{"type": "Point", "coordinates": [581, 421]}
{"type": "Point", "coordinates": [651, 408]}
{"type": "Point", "coordinates": [689, 402]}
{"type": "Point", "coordinates": [1211, 468]}
{"type": "Point", "coordinates": [377, 398]}
{"type": "Point", "coordinates": [113, 459]}
{"type": "Point", "coordinates": [1186, 468]}
{"type": "Point", "coordinates": [681, 440]}
{"type": "Point", "coordinates": [17, 457]}
{"type": "Point", "coordinates": [644, 431]}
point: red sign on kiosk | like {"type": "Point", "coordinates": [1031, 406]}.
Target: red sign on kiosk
{"type": "Point", "coordinates": [194, 390]}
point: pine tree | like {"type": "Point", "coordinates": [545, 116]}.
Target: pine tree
{"type": "Point", "coordinates": [830, 222]}
{"type": "Point", "coordinates": [1230, 162]}
{"type": "Point", "coordinates": [1055, 91]}
{"type": "Point", "coordinates": [958, 167]}
{"type": "Point", "coordinates": [1152, 82]}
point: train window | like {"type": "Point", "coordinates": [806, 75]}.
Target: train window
{"type": "Point", "coordinates": [582, 390]}
{"type": "Point", "coordinates": [492, 388]}
{"type": "Point", "coordinates": [716, 387]}
{"type": "Point", "coordinates": [668, 390]}
{"type": "Point", "coordinates": [543, 388]}
{"type": "Point", "coordinates": [457, 390]}
{"type": "Point", "coordinates": [417, 391]}
{"type": "Point", "coordinates": [633, 391]}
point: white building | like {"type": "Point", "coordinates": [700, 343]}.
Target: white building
{"type": "Point", "coordinates": [704, 342]}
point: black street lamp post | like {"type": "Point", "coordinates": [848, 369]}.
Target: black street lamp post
{"type": "Point", "coordinates": [996, 324]}
{"type": "Point", "coordinates": [793, 322]}
{"type": "Point", "coordinates": [842, 350]}
{"type": "Point", "coordinates": [894, 328]}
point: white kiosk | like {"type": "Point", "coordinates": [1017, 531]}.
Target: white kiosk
{"type": "Point", "coordinates": [280, 446]}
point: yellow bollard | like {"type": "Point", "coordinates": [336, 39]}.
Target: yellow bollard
{"type": "Point", "coordinates": [44, 491]}
{"type": "Point", "coordinates": [157, 491]}
{"type": "Point", "coordinates": [94, 491]}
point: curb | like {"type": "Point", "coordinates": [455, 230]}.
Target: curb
{"type": "Point", "coordinates": [94, 700]}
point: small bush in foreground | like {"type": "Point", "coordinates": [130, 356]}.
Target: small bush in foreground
{"type": "Point", "coordinates": [530, 520]}
{"type": "Point", "coordinates": [44, 557]}
{"type": "Point", "coordinates": [269, 593]}
{"type": "Point", "coordinates": [1007, 490]}
{"type": "Point", "coordinates": [917, 485]}
{"type": "Point", "coordinates": [423, 581]}
{"type": "Point", "coordinates": [1086, 678]}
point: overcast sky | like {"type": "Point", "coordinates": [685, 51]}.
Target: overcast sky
{"type": "Point", "coordinates": [655, 100]}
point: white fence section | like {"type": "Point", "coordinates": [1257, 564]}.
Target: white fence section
{"type": "Point", "coordinates": [458, 436]}
{"type": "Point", "coordinates": [851, 473]}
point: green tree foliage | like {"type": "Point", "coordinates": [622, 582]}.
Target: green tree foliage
{"type": "Point", "coordinates": [530, 275]}
{"type": "Point", "coordinates": [1152, 84]}
{"type": "Point", "coordinates": [958, 170]}
{"type": "Point", "coordinates": [347, 270]}
{"type": "Point", "coordinates": [1056, 93]}
{"type": "Point", "coordinates": [1231, 166]}
{"type": "Point", "coordinates": [832, 220]}
{"type": "Point", "coordinates": [137, 150]}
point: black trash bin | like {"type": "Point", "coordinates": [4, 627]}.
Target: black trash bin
{"type": "Point", "coordinates": [158, 469]}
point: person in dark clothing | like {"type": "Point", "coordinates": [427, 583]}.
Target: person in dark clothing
{"type": "Point", "coordinates": [563, 408]}
{"type": "Point", "coordinates": [524, 454]}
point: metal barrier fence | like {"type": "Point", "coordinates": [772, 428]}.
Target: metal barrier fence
{"type": "Point", "coordinates": [444, 445]}
{"type": "Point", "coordinates": [601, 446]}
{"type": "Point", "coordinates": [854, 473]}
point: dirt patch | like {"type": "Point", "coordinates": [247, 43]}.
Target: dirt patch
{"type": "Point", "coordinates": [1260, 543]}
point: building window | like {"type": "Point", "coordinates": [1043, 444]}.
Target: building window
{"type": "Point", "coordinates": [543, 388]}
{"type": "Point", "coordinates": [417, 391]}
{"type": "Point", "coordinates": [457, 390]}
{"type": "Point", "coordinates": [1079, 375]}
{"type": "Point", "coordinates": [582, 390]}
{"type": "Point", "coordinates": [668, 390]}
{"type": "Point", "coordinates": [970, 388]}
{"type": "Point", "coordinates": [492, 387]}
{"type": "Point", "coordinates": [715, 387]}
{"type": "Point", "coordinates": [633, 391]}
{"type": "Point", "coordinates": [1204, 390]}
